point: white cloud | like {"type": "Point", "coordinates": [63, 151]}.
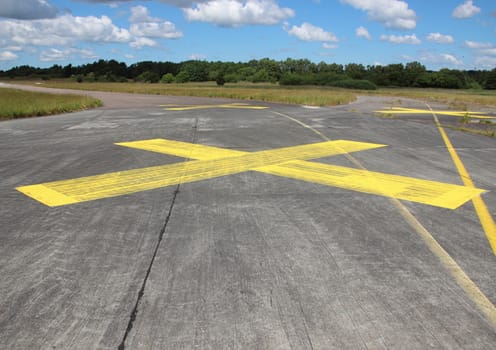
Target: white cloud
{"type": "Point", "coordinates": [27, 9]}
{"type": "Point", "coordinates": [441, 59]}
{"type": "Point", "coordinates": [197, 56]}
{"type": "Point", "coordinates": [484, 50]}
{"type": "Point", "coordinates": [139, 43]}
{"type": "Point", "coordinates": [309, 32]}
{"type": "Point", "coordinates": [393, 14]}
{"type": "Point", "coordinates": [466, 10]}
{"type": "Point", "coordinates": [164, 29]}
{"type": "Point", "coordinates": [477, 45]}
{"type": "Point", "coordinates": [487, 62]}
{"type": "Point", "coordinates": [67, 30]}
{"type": "Point", "coordinates": [65, 54]}
{"type": "Point", "coordinates": [329, 46]}
{"type": "Point", "coordinates": [62, 30]}
{"type": "Point", "coordinates": [143, 25]}
{"type": "Point", "coordinates": [7, 56]}
{"type": "Point", "coordinates": [233, 13]}
{"type": "Point", "coordinates": [440, 38]}
{"type": "Point", "coordinates": [401, 39]}
{"type": "Point", "coordinates": [362, 32]}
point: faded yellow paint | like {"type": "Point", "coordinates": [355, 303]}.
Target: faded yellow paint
{"type": "Point", "coordinates": [465, 114]}
{"type": "Point", "coordinates": [169, 107]}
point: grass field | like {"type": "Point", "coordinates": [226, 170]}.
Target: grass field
{"type": "Point", "coordinates": [20, 104]}
{"type": "Point", "coordinates": [316, 96]}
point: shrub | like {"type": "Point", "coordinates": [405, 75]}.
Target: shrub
{"type": "Point", "coordinates": [220, 80]}
{"type": "Point", "coordinates": [167, 78]}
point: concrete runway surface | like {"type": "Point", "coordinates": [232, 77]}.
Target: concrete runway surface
{"type": "Point", "coordinates": [161, 222]}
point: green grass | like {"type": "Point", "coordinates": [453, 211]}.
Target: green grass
{"type": "Point", "coordinates": [21, 104]}
{"type": "Point", "coordinates": [457, 99]}
{"type": "Point", "coordinates": [309, 95]}
{"type": "Point", "coordinates": [258, 92]}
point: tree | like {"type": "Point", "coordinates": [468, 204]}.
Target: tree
{"type": "Point", "coordinates": [355, 71]}
{"type": "Point", "coordinates": [490, 83]}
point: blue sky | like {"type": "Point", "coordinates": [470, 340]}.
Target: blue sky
{"type": "Point", "coordinates": [457, 34]}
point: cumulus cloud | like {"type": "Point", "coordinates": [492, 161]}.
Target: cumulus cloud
{"type": "Point", "coordinates": [393, 14]}
{"type": "Point", "coordinates": [441, 59]}
{"type": "Point", "coordinates": [466, 10]}
{"type": "Point", "coordinates": [362, 32]}
{"type": "Point", "coordinates": [178, 3]}
{"type": "Point", "coordinates": [139, 43]}
{"type": "Point", "coordinates": [7, 56]}
{"type": "Point", "coordinates": [145, 26]}
{"type": "Point", "coordinates": [64, 54]}
{"type": "Point", "coordinates": [234, 13]}
{"type": "Point", "coordinates": [62, 30]}
{"type": "Point", "coordinates": [477, 45]}
{"type": "Point", "coordinates": [485, 53]}
{"type": "Point", "coordinates": [67, 30]}
{"type": "Point", "coordinates": [309, 32]}
{"type": "Point", "coordinates": [27, 9]}
{"type": "Point", "coordinates": [401, 39]}
{"type": "Point", "coordinates": [440, 38]}
{"type": "Point", "coordinates": [488, 62]}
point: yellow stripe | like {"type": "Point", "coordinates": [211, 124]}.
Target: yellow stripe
{"type": "Point", "coordinates": [399, 110]}
{"type": "Point", "coordinates": [46, 195]}
{"type": "Point", "coordinates": [182, 149]}
{"type": "Point", "coordinates": [229, 106]}
{"type": "Point", "coordinates": [461, 278]}
{"type": "Point", "coordinates": [416, 190]}
{"type": "Point", "coordinates": [485, 218]}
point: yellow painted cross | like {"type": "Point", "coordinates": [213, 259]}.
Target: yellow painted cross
{"type": "Point", "coordinates": [211, 162]}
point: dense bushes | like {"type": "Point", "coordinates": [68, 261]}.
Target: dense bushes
{"type": "Point", "coordinates": [287, 72]}
{"type": "Point", "coordinates": [326, 79]}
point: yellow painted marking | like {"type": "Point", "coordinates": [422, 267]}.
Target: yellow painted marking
{"type": "Point", "coordinates": [137, 180]}
{"type": "Point", "coordinates": [485, 217]}
{"type": "Point", "coordinates": [47, 195]}
{"type": "Point", "coordinates": [228, 106]}
{"type": "Point", "coordinates": [214, 162]}
{"type": "Point", "coordinates": [456, 272]}
{"type": "Point", "coordinates": [400, 110]}
{"type": "Point", "coordinates": [416, 190]}
{"type": "Point", "coordinates": [401, 187]}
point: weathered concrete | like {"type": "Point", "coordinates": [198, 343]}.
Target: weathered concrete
{"type": "Point", "coordinates": [246, 261]}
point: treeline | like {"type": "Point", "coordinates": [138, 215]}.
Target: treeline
{"type": "Point", "coordinates": [287, 72]}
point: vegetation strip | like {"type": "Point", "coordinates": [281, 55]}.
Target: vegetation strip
{"type": "Point", "coordinates": [19, 104]}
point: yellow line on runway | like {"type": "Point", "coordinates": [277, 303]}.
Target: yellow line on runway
{"type": "Point", "coordinates": [451, 266]}
{"type": "Point", "coordinates": [228, 106]}
{"type": "Point", "coordinates": [485, 217]}
{"type": "Point", "coordinates": [400, 110]}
